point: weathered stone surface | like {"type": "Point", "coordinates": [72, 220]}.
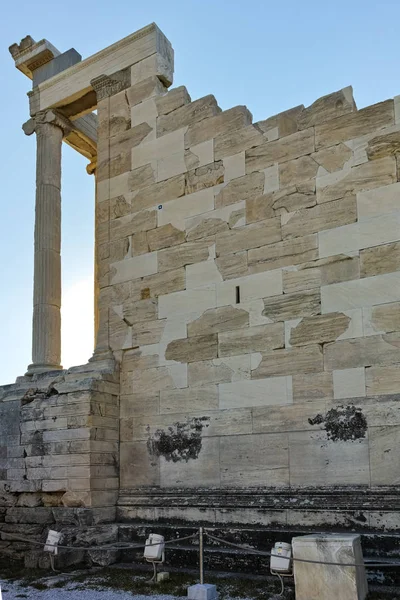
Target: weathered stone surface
{"type": "Point", "coordinates": [174, 99]}
{"type": "Point", "coordinates": [384, 145]}
{"type": "Point", "coordinates": [380, 259]}
{"type": "Point", "coordinates": [251, 236]}
{"type": "Point", "coordinates": [319, 329]}
{"type": "Point", "coordinates": [133, 223]}
{"type": "Point", "coordinates": [286, 148]}
{"type": "Point", "coordinates": [288, 417]}
{"type": "Point", "coordinates": [204, 177]}
{"type": "Point", "coordinates": [290, 362]}
{"type": "Point", "coordinates": [159, 193]}
{"type": "Point", "coordinates": [230, 143]}
{"type": "Point", "coordinates": [251, 459]}
{"type": "Point", "coordinates": [216, 320]}
{"type": "Point", "coordinates": [363, 352]}
{"type": "Point", "coordinates": [281, 202]}
{"type": "Point", "coordinates": [285, 122]}
{"type": "Point", "coordinates": [139, 311]}
{"type": "Point", "coordinates": [324, 271]}
{"type": "Point", "coordinates": [333, 158]}
{"type": "Point", "coordinates": [382, 380]}
{"type": "Point", "coordinates": [292, 306]}
{"type": "Point", "coordinates": [320, 217]}
{"type": "Point", "coordinates": [133, 268]}
{"type": "Point", "coordinates": [384, 318]}
{"type": "Point", "coordinates": [138, 178]}
{"type": "Point", "coordinates": [143, 90]}
{"type": "Point", "coordinates": [384, 463]}
{"type": "Point", "coordinates": [219, 370]}
{"type": "Point", "coordinates": [355, 125]}
{"type": "Point", "coordinates": [349, 383]}
{"type": "Point", "coordinates": [327, 108]}
{"type": "Point", "coordinates": [165, 237]}
{"type": "Point", "coordinates": [184, 254]}
{"type": "Point", "coordinates": [253, 339]}
{"type": "Point", "coordinates": [240, 189]}
{"type": "Point", "coordinates": [149, 332]}
{"type": "Point", "coordinates": [283, 254]}
{"type": "Point", "coordinates": [189, 399]}
{"type": "Point", "coordinates": [229, 120]}
{"type": "Point", "coordinates": [232, 265]}
{"type": "Point", "coordinates": [188, 114]}
{"type": "Point", "coordinates": [296, 171]}
{"type": "Point", "coordinates": [313, 386]}
{"type": "Point", "coordinates": [158, 284]}
{"type": "Point", "coordinates": [366, 176]}
{"type": "Point", "coordinates": [206, 228]}
{"type": "Point", "coordinates": [379, 201]}
{"type": "Point", "coordinates": [201, 347]}
{"type": "Point", "coordinates": [137, 464]}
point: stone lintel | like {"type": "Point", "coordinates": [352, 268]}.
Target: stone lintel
{"type": "Point", "coordinates": [148, 46]}
{"type": "Point", "coordinates": [29, 55]}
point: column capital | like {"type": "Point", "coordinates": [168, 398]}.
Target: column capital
{"type": "Point", "coordinates": [50, 117]}
{"type": "Point", "coordinates": [108, 85]}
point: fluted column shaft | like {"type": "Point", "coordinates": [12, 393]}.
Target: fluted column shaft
{"type": "Point", "coordinates": [46, 327]}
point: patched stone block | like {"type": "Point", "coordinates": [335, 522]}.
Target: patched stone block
{"type": "Point", "coordinates": [253, 339]}
{"type": "Point", "coordinates": [201, 347]}
{"type": "Point", "coordinates": [187, 114]}
{"type": "Point", "coordinates": [286, 148]}
{"type": "Point", "coordinates": [380, 259]}
{"type": "Point", "coordinates": [363, 352]}
{"type": "Point", "coordinates": [217, 320]}
{"type": "Point", "coordinates": [250, 236]}
{"type": "Point", "coordinates": [290, 361]}
{"type": "Point", "coordinates": [240, 189]}
{"type": "Point", "coordinates": [292, 306]}
{"type": "Point", "coordinates": [319, 329]}
{"type": "Point", "coordinates": [321, 217]}
{"type": "Point", "coordinates": [229, 120]}
{"type": "Point", "coordinates": [282, 254]}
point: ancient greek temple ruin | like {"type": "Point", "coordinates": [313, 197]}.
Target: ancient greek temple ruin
{"type": "Point", "coordinates": [246, 368]}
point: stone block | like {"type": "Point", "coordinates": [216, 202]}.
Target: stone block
{"type": "Point", "coordinates": [182, 255]}
{"type": "Point", "coordinates": [313, 386]}
{"type": "Point", "coordinates": [252, 339]}
{"type": "Point", "coordinates": [387, 144]}
{"type": "Point", "coordinates": [360, 235]}
{"type": "Point", "coordinates": [201, 347]}
{"type": "Point", "coordinates": [321, 272]}
{"type": "Point", "coordinates": [319, 329]}
{"type": "Point", "coordinates": [235, 142]}
{"type": "Point", "coordinates": [380, 259]}
{"type": "Point", "coordinates": [198, 274]}
{"type": "Point", "coordinates": [219, 370]}
{"type": "Point", "coordinates": [172, 100]}
{"type": "Point", "coordinates": [323, 216]}
{"type": "Point", "coordinates": [217, 320]}
{"type": "Point", "coordinates": [165, 237]}
{"type": "Point", "coordinates": [327, 108]}
{"type": "Point", "coordinates": [283, 254]}
{"type": "Point", "coordinates": [292, 306]}
{"type": "Point", "coordinates": [187, 302]}
{"type": "Point", "coordinates": [250, 236]}
{"type": "Point", "coordinates": [254, 460]}
{"type": "Point", "coordinates": [187, 114]}
{"type": "Point", "coordinates": [171, 165]}
{"type": "Point", "coordinates": [229, 120]}
{"type": "Point", "coordinates": [202, 591]}
{"type": "Point", "coordinates": [378, 201]}
{"type": "Point", "coordinates": [382, 380]}
{"type": "Point", "coordinates": [139, 404]}
{"type": "Point", "coordinates": [148, 381]}
{"type": "Point", "coordinates": [250, 393]}
{"type": "Point", "coordinates": [145, 89]}
{"type": "Point", "coordinates": [160, 148]}
{"type": "Point", "coordinates": [134, 268]}
{"type": "Point", "coordinates": [289, 417]}
{"type": "Point", "coordinates": [358, 293]}
{"type": "Point", "coordinates": [214, 221]}
{"type": "Point", "coordinates": [158, 284]}
{"type": "Point", "coordinates": [349, 383]}
{"type": "Point", "coordinates": [317, 461]}
{"type": "Point", "coordinates": [189, 399]}
{"type": "Point", "coordinates": [137, 467]}
{"type": "Point", "coordinates": [240, 189]}
{"type": "Point", "coordinates": [251, 287]}
{"type": "Point", "coordinates": [290, 361]}
{"type": "Point", "coordinates": [381, 319]}
{"type": "Point", "coordinates": [152, 196]}
{"type": "Point", "coordinates": [285, 123]}
{"type": "Point", "coordinates": [327, 581]}
{"type": "Point", "coordinates": [139, 178]}
{"type": "Point", "coordinates": [204, 177]}
{"type": "Point", "coordinates": [363, 177]}
{"type": "Point", "coordinates": [178, 210]}
{"type": "Point", "coordinates": [182, 474]}
{"type": "Point", "coordinates": [281, 150]}
{"type": "Point", "coordinates": [333, 158]}
{"type": "Point", "coordinates": [355, 124]}
{"type": "Point", "coordinates": [385, 466]}
{"type": "Point", "coordinates": [200, 155]}
{"type": "Point", "coordinates": [298, 170]}
{"type": "Point", "coordinates": [133, 223]}
{"type": "Point", "coordinates": [156, 64]}
{"type": "Point", "coordinates": [281, 202]}
{"type": "Point", "coordinates": [232, 266]}
{"type": "Point", "coordinates": [363, 352]}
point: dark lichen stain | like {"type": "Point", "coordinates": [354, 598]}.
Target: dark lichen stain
{"type": "Point", "coordinates": [180, 442]}
{"type": "Point", "coordinates": [343, 424]}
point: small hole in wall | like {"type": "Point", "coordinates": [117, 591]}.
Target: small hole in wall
{"type": "Point", "coordinates": [237, 294]}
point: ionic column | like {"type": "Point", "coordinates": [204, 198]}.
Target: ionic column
{"type": "Point", "coordinates": [50, 128]}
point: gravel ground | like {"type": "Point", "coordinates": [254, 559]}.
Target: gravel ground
{"type": "Point", "coordinates": [13, 591]}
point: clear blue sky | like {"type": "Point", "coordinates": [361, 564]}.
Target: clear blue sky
{"type": "Point", "coordinates": [267, 55]}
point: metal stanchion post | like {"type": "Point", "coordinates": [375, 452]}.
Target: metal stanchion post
{"type": "Point", "coordinates": [201, 549]}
